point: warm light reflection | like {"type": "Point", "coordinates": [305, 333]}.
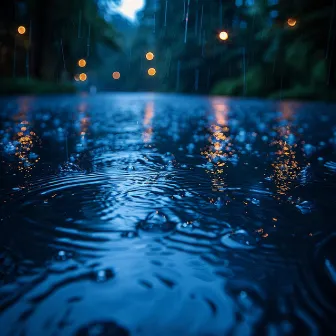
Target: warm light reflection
{"type": "Point", "coordinates": [147, 123]}
{"type": "Point", "coordinates": [25, 140]}
{"type": "Point", "coordinates": [149, 56]}
{"type": "Point", "coordinates": [221, 112]}
{"type": "Point", "coordinates": [223, 35]}
{"type": "Point", "coordinates": [82, 63]}
{"type": "Point", "coordinates": [83, 77]}
{"type": "Point", "coordinates": [286, 167]}
{"type": "Point", "coordinates": [116, 75]}
{"type": "Point", "coordinates": [291, 22]}
{"type": "Point", "coordinates": [21, 30]}
{"type": "Point", "coordinates": [219, 150]}
{"type": "Point", "coordinates": [151, 72]}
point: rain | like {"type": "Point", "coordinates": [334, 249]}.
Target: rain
{"type": "Point", "coordinates": [168, 167]}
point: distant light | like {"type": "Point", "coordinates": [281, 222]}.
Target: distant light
{"type": "Point", "coordinates": [116, 75]}
{"type": "Point", "coordinates": [291, 22]}
{"type": "Point", "coordinates": [151, 72]}
{"type": "Point", "coordinates": [21, 30]}
{"type": "Point", "coordinates": [149, 56]}
{"type": "Point", "coordinates": [82, 63]}
{"type": "Point", "coordinates": [223, 35]}
{"type": "Point", "coordinates": [83, 77]}
{"type": "Point", "coordinates": [76, 77]}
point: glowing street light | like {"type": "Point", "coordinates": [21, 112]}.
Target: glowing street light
{"type": "Point", "coordinates": [116, 75]}
{"type": "Point", "coordinates": [82, 63]}
{"type": "Point", "coordinates": [151, 72]}
{"type": "Point", "coordinates": [21, 30]}
{"type": "Point", "coordinates": [291, 22]}
{"type": "Point", "coordinates": [223, 35]}
{"type": "Point", "coordinates": [83, 77]}
{"type": "Point", "coordinates": [150, 56]}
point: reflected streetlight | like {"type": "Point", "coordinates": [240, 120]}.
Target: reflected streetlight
{"type": "Point", "coordinates": [151, 72]}
{"type": "Point", "coordinates": [291, 22]}
{"type": "Point", "coordinates": [21, 30]}
{"type": "Point", "coordinates": [223, 35]}
{"type": "Point", "coordinates": [83, 77]}
{"type": "Point", "coordinates": [150, 56]}
{"type": "Point", "coordinates": [82, 63]}
{"type": "Point", "coordinates": [116, 75]}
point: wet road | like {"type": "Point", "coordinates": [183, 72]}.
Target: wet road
{"type": "Point", "coordinates": [150, 214]}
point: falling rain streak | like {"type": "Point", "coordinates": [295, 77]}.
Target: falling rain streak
{"type": "Point", "coordinates": [186, 23]}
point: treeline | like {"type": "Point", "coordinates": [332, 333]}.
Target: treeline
{"type": "Point", "coordinates": [274, 48]}
{"type": "Point", "coordinates": [44, 40]}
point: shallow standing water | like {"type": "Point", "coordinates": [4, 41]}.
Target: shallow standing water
{"type": "Point", "coordinates": [150, 214]}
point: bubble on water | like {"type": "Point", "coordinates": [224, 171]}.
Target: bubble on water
{"type": "Point", "coordinates": [239, 239]}
{"type": "Point", "coordinates": [169, 158]}
{"type": "Point", "coordinates": [157, 222]}
{"type": "Point", "coordinates": [69, 167]}
{"type": "Point", "coordinates": [219, 203]}
{"type": "Point", "coordinates": [61, 255]}
{"type": "Point", "coordinates": [309, 149]}
{"type": "Point", "coordinates": [254, 201]}
{"type": "Point", "coordinates": [129, 234]}
{"type": "Point", "coordinates": [190, 148]}
{"type": "Point", "coordinates": [104, 275]}
{"type": "Point", "coordinates": [130, 167]}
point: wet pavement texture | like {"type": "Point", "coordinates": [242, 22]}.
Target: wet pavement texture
{"type": "Point", "coordinates": [143, 214]}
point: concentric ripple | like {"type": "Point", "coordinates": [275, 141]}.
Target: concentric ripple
{"type": "Point", "coordinates": [147, 215]}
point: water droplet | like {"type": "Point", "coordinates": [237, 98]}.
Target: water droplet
{"type": "Point", "coordinates": [61, 255]}
{"type": "Point", "coordinates": [104, 275]}
{"type": "Point", "coordinates": [239, 239]}
{"type": "Point", "coordinates": [157, 222]}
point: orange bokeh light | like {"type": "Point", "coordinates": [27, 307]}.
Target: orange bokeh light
{"type": "Point", "coordinates": [82, 63]}
{"type": "Point", "coordinates": [116, 75]}
{"type": "Point", "coordinates": [291, 22]}
{"type": "Point", "coordinates": [83, 77]}
{"type": "Point", "coordinates": [223, 35]}
{"type": "Point", "coordinates": [149, 56]}
{"type": "Point", "coordinates": [151, 72]}
{"type": "Point", "coordinates": [21, 30]}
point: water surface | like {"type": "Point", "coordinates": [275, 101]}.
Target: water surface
{"type": "Point", "coordinates": [140, 214]}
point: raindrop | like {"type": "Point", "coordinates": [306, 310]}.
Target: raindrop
{"type": "Point", "coordinates": [61, 255]}
{"type": "Point", "coordinates": [186, 23]}
{"type": "Point", "coordinates": [239, 239]}
{"type": "Point", "coordinates": [157, 222]}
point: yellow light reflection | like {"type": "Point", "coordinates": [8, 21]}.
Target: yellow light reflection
{"type": "Point", "coordinates": [286, 167]}
{"type": "Point", "coordinates": [220, 148]}
{"type": "Point", "coordinates": [26, 140]}
{"type": "Point", "coordinates": [147, 123]}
